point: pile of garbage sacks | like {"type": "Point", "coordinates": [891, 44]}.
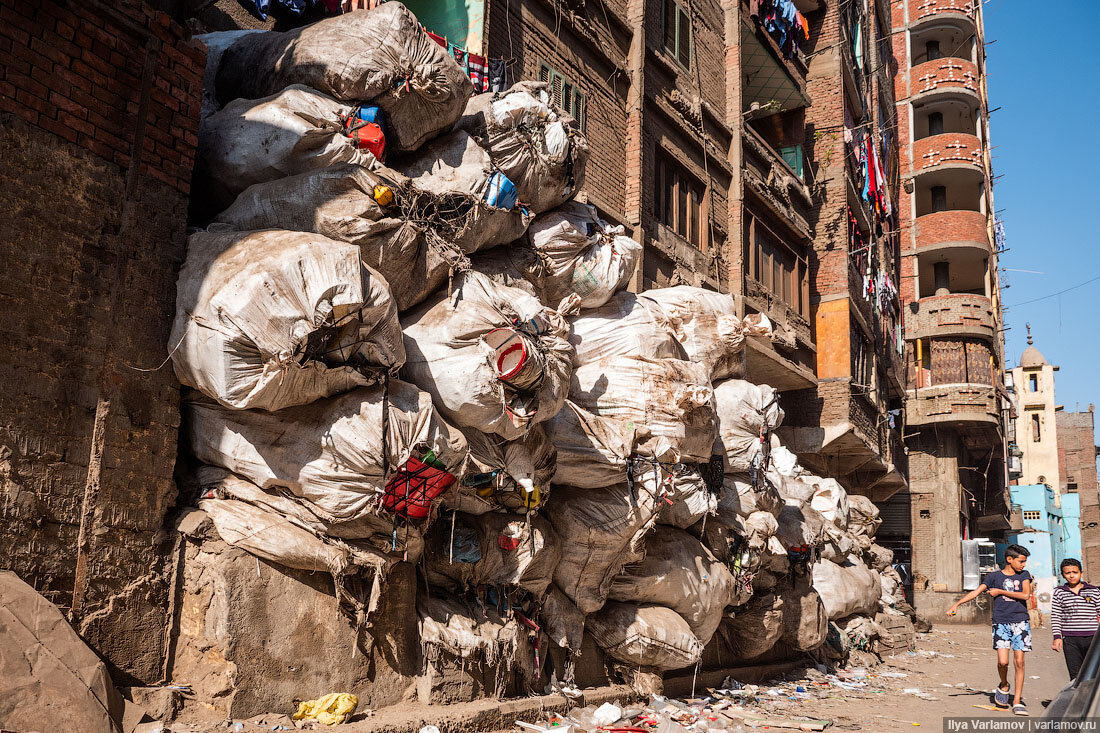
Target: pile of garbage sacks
{"type": "Point", "coordinates": [406, 342]}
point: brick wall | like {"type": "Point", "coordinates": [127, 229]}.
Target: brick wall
{"type": "Point", "coordinates": [98, 122]}
{"type": "Point", "coordinates": [1077, 453]}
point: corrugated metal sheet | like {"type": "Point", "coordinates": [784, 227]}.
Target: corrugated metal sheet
{"type": "Point", "coordinates": [896, 521]}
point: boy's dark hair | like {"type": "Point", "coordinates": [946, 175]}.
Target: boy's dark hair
{"type": "Point", "coordinates": [1070, 562]}
{"type": "Point", "coordinates": [1017, 551]}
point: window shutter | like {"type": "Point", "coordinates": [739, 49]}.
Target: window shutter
{"type": "Point", "coordinates": [670, 25]}
{"type": "Point", "coordinates": [683, 37]}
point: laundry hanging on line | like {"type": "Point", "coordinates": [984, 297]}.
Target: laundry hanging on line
{"type": "Point", "coordinates": [487, 75]}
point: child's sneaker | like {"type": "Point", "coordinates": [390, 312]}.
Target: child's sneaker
{"type": "Point", "coordinates": [1000, 697]}
{"type": "Point", "coordinates": [1020, 709]}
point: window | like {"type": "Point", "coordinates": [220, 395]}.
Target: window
{"type": "Point", "coordinates": [932, 50]}
{"type": "Point", "coordinates": [792, 156]}
{"type": "Point", "coordinates": [678, 33]}
{"type": "Point", "coordinates": [777, 268]}
{"type": "Point", "coordinates": [1033, 383]}
{"type": "Point", "coordinates": [1071, 487]}
{"type": "Point", "coordinates": [862, 363]}
{"type": "Point", "coordinates": [1032, 514]}
{"type": "Point", "coordinates": [939, 198]}
{"type": "Point", "coordinates": [565, 94]}
{"type": "Point", "coordinates": [679, 201]}
{"type": "Point", "coordinates": [1036, 422]}
{"type": "Point", "coordinates": [935, 123]}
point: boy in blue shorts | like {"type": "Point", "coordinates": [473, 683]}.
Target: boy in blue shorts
{"type": "Point", "coordinates": [1010, 587]}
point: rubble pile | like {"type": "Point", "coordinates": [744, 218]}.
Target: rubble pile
{"type": "Point", "coordinates": [406, 342]}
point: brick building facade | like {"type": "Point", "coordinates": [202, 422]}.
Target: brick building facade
{"type": "Point", "coordinates": [954, 351]}
{"type": "Point", "coordinates": [99, 107]}
{"type": "Point", "coordinates": [1077, 473]}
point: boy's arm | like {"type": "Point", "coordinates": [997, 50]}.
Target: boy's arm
{"type": "Point", "coordinates": [1056, 616]}
{"type": "Point", "coordinates": [966, 599]}
{"type": "Point", "coordinates": [1019, 595]}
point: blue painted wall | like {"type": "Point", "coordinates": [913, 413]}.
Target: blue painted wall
{"type": "Point", "coordinates": [1045, 540]}
{"type": "Point", "coordinates": [1071, 525]}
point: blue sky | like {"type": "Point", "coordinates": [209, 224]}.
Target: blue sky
{"type": "Point", "coordinates": [1046, 139]}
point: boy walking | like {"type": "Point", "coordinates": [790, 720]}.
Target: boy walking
{"type": "Point", "coordinates": [1073, 613]}
{"type": "Point", "coordinates": [1009, 587]}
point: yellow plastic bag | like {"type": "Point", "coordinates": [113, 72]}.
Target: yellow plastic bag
{"type": "Point", "coordinates": [332, 709]}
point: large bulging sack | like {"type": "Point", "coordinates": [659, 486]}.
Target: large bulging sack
{"type": "Point", "coordinates": [800, 528]}
{"type": "Point", "coordinates": [252, 141]}
{"type": "Point", "coordinates": [364, 452]}
{"type": "Point", "coordinates": [600, 530]}
{"type": "Point", "coordinates": [741, 497]}
{"type": "Point", "coordinates": [593, 452]}
{"type": "Point", "coordinates": [273, 319]}
{"type": "Point", "coordinates": [493, 549]}
{"type": "Point", "coordinates": [381, 56]}
{"type": "Point", "coordinates": [756, 627]}
{"type": "Point", "coordinates": [671, 400]}
{"type": "Point", "coordinates": [646, 635]}
{"type": "Point", "coordinates": [848, 588]}
{"type": "Point", "coordinates": [805, 622]}
{"type": "Point", "coordinates": [493, 358]}
{"type": "Point", "coordinates": [626, 325]}
{"type": "Point", "coordinates": [470, 631]}
{"type": "Point", "coordinates": [746, 412]}
{"type": "Point", "coordinates": [579, 253]}
{"type": "Point", "coordinates": [350, 203]}
{"type": "Point", "coordinates": [878, 557]}
{"type": "Point", "coordinates": [365, 540]}
{"type": "Point", "coordinates": [509, 474]}
{"type": "Point", "coordinates": [830, 499]}
{"type": "Point", "coordinates": [216, 43]}
{"type": "Point", "coordinates": [562, 620]}
{"type": "Point", "coordinates": [679, 573]}
{"type": "Point", "coordinates": [462, 197]}
{"type": "Point", "coordinates": [706, 326]}
{"type": "Point", "coordinates": [533, 142]}
{"type": "Point", "coordinates": [688, 498]}
{"type": "Point", "coordinates": [863, 516]}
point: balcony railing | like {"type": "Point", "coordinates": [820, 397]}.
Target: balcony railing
{"type": "Point", "coordinates": [952, 403]}
{"type": "Point", "coordinates": [949, 148]}
{"type": "Point", "coordinates": [946, 74]}
{"type": "Point", "coordinates": [952, 228]}
{"type": "Point", "coordinates": [958, 314]}
{"type": "Point", "coordinates": [921, 9]}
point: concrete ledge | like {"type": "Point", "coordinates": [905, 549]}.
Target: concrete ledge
{"type": "Point", "coordinates": [486, 714]}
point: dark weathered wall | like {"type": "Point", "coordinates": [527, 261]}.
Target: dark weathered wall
{"type": "Point", "coordinates": [98, 125]}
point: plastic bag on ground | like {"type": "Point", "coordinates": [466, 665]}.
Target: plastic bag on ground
{"type": "Point", "coordinates": [679, 573]}
{"type": "Point", "coordinates": [533, 142]}
{"type": "Point", "coordinates": [332, 709]}
{"type": "Point", "coordinates": [512, 550]}
{"type": "Point", "coordinates": [626, 325]}
{"type": "Point", "coordinates": [600, 530]}
{"type": "Point", "coordinates": [493, 358]}
{"type": "Point", "coordinates": [746, 414]}
{"type": "Point", "coordinates": [706, 325]}
{"type": "Point", "coordinates": [805, 622]}
{"type": "Point", "coordinates": [577, 252]}
{"type": "Point", "coordinates": [756, 627]}
{"type": "Point", "coordinates": [273, 319]}
{"type": "Point", "coordinates": [458, 183]}
{"type": "Point", "coordinates": [348, 203]}
{"type": "Point", "coordinates": [509, 474]}
{"type": "Point", "coordinates": [863, 516]}
{"type": "Point", "coordinates": [671, 399]}
{"type": "Point", "coordinates": [847, 589]}
{"type": "Point", "coordinates": [252, 141]}
{"type": "Point", "coordinates": [646, 635]}
{"type": "Point", "coordinates": [381, 57]}
{"type": "Point", "coordinates": [348, 456]}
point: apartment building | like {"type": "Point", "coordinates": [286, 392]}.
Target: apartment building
{"type": "Point", "coordinates": [955, 399]}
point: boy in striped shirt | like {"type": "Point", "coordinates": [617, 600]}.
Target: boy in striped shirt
{"type": "Point", "coordinates": [1073, 616]}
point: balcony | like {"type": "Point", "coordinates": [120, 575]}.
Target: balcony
{"type": "Point", "coordinates": [921, 11]}
{"type": "Point", "coordinates": [952, 403]}
{"type": "Point", "coordinates": [943, 75]}
{"type": "Point", "coordinates": [960, 314]}
{"type": "Point", "coordinates": [951, 149]}
{"type": "Point", "coordinates": [775, 183]}
{"type": "Point", "coordinates": [951, 229]}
